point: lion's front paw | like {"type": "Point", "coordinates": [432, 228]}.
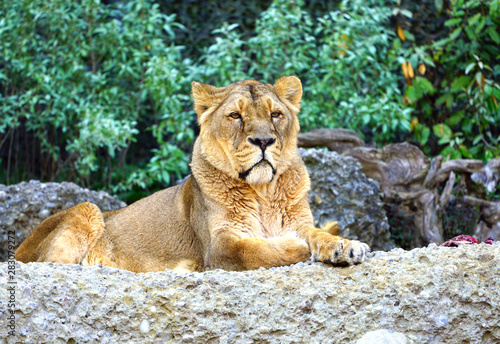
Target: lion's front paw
{"type": "Point", "coordinates": [333, 249]}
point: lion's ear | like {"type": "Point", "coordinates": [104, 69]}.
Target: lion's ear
{"type": "Point", "coordinates": [204, 96]}
{"type": "Point", "coordinates": [290, 88]}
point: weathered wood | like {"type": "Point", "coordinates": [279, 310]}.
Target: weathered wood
{"type": "Point", "coordinates": [421, 188]}
{"type": "Point", "coordinates": [489, 176]}
{"type": "Point", "coordinates": [337, 140]}
{"type": "Point", "coordinates": [448, 188]}
{"type": "Point", "coordinates": [431, 175]}
{"type": "Point", "coordinates": [489, 222]}
{"type": "Point", "coordinates": [458, 165]}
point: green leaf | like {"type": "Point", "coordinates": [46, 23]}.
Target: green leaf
{"type": "Point", "coordinates": [493, 33]}
{"type": "Point", "coordinates": [442, 131]}
{"type": "Point", "coordinates": [465, 152]}
{"type": "Point", "coordinates": [454, 35]}
{"type": "Point", "coordinates": [447, 151]}
{"type": "Point", "coordinates": [455, 119]}
{"type": "Point", "coordinates": [407, 13]}
{"type": "Point", "coordinates": [481, 24]}
{"type": "Point", "coordinates": [411, 93]}
{"type": "Point", "coordinates": [445, 98]}
{"type": "Point", "coordinates": [424, 84]}
{"type": "Point", "coordinates": [479, 77]}
{"type": "Point", "coordinates": [414, 60]}
{"type": "Point", "coordinates": [439, 5]}
{"type": "Point", "coordinates": [453, 22]}
{"type": "Point", "coordinates": [460, 83]}
{"type": "Point", "coordinates": [425, 133]}
{"type": "Point", "coordinates": [455, 153]}
{"type": "Point", "coordinates": [477, 139]}
{"type": "Point", "coordinates": [472, 20]}
{"type": "Point", "coordinates": [496, 92]}
{"type": "Point", "coordinates": [409, 36]}
{"type": "Point", "coordinates": [469, 67]}
{"type": "Point", "coordinates": [443, 140]}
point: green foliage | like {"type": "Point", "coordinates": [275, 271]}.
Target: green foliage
{"type": "Point", "coordinates": [357, 63]}
{"type": "Point", "coordinates": [99, 94]}
{"type": "Point", "coordinates": [344, 59]}
{"type": "Point", "coordinates": [457, 97]}
{"type": "Point", "coordinates": [93, 75]}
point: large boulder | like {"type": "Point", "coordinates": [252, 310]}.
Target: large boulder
{"type": "Point", "coordinates": [427, 295]}
{"type": "Point", "coordinates": [340, 191]}
{"type": "Point", "coordinates": [24, 206]}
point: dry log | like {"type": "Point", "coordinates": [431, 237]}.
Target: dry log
{"type": "Point", "coordinates": [458, 165]}
{"type": "Point", "coordinates": [399, 165]}
{"type": "Point", "coordinates": [489, 222]}
{"type": "Point", "coordinates": [490, 210]}
{"type": "Point", "coordinates": [409, 179]}
{"type": "Point", "coordinates": [448, 188]}
{"type": "Point", "coordinates": [431, 175]}
{"type": "Point", "coordinates": [337, 140]}
{"type": "Point", "coordinates": [428, 220]}
{"type": "Point", "coordinates": [489, 176]}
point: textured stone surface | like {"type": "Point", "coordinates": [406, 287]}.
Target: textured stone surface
{"type": "Point", "coordinates": [429, 295]}
{"type": "Point", "coordinates": [24, 206]}
{"type": "Point", "coordinates": [341, 192]}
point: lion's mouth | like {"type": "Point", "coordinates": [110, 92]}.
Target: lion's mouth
{"type": "Point", "coordinates": [263, 161]}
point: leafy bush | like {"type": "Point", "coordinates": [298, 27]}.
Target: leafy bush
{"type": "Point", "coordinates": [83, 79]}
{"type": "Point", "coordinates": [344, 59]}
{"type": "Point", "coordinates": [454, 87]}
{"type": "Point", "coordinates": [99, 94]}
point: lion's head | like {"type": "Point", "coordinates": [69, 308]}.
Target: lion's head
{"type": "Point", "coordinates": [249, 128]}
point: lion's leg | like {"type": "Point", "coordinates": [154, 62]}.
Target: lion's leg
{"type": "Point", "coordinates": [65, 237]}
{"type": "Point", "coordinates": [252, 253]}
{"type": "Point", "coordinates": [267, 253]}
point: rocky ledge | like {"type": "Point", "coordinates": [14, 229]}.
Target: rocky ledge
{"type": "Point", "coordinates": [427, 295]}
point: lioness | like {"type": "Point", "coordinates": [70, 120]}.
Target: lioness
{"type": "Point", "coordinates": [245, 205]}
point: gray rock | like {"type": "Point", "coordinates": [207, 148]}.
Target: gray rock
{"type": "Point", "coordinates": [431, 295]}
{"type": "Point", "coordinates": [341, 192]}
{"type": "Point", "coordinates": [24, 206]}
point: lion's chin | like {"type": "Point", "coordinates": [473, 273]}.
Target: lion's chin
{"type": "Point", "coordinates": [262, 173]}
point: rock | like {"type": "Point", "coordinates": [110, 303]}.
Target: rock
{"type": "Point", "coordinates": [431, 295]}
{"type": "Point", "coordinates": [24, 206]}
{"type": "Point", "coordinates": [341, 192]}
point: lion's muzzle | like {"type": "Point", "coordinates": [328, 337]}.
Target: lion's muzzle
{"type": "Point", "coordinates": [263, 143]}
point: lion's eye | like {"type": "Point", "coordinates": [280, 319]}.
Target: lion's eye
{"type": "Point", "coordinates": [276, 114]}
{"type": "Point", "coordinates": [235, 115]}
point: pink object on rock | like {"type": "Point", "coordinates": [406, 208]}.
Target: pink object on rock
{"type": "Point", "coordinates": [463, 239]}
{"type": "Point", "coordinates": [489, 241]}
{"type": "Point", "coordinates": [460, 240]}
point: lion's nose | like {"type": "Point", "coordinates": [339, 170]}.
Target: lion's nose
{"type": "Point", "coordinates": [263, 143]}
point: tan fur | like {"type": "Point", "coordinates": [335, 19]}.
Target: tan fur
{"type": "Point", "coordinates": [244, 207]}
